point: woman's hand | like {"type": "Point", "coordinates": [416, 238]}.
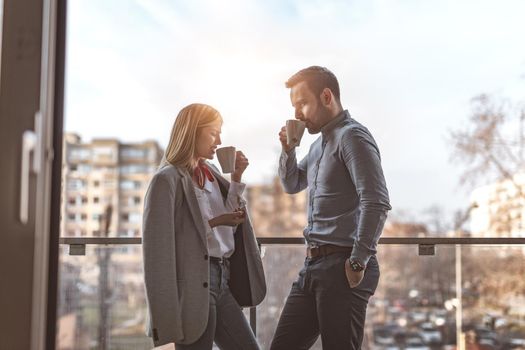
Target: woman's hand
{"type": "Point", "coordinates": [241, 163]}
{"type": "Point", "coordinates": [229, 219]}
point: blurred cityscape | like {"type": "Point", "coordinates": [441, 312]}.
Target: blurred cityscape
{"type": "Point", "coordinates": [101, 295]}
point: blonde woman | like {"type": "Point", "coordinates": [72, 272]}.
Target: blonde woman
{"type": "Point", "coordinates": [201, 259]}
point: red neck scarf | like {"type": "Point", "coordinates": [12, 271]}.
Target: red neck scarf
{"type": "Point", "coordinates": [201, 173]}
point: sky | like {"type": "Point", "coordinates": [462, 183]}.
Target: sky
{"type": "Point", "coordinates": [407, 69]}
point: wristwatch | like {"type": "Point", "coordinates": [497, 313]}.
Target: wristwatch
{"type": "Point", "coordinates": [356, 265]}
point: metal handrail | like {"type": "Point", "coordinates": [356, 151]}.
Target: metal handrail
{"type": "Point", "coordinates": [300, 240]}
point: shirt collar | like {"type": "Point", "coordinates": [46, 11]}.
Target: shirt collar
{"type": "Point", "coordinates": [208, 186]}
{"type": "Point", "coordinates": [327, 129]}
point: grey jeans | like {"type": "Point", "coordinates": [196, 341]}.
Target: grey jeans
{"type": "Point", "coordinates": [227, 325]}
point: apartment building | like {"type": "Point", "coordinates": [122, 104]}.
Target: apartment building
{"type": "Point", "coordinates": [102, 173]}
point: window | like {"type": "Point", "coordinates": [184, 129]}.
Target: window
{"type": "Point", "coordinates": [76, 184]}
{"type": "Point", "coordinates": [76, 217]}
{"type": "Point", "coordinates": [109, 183]}
{"type": "Point", "coordinates": [130, 185]}
{"type": "Point", "coordinates": [95, 199]}
{"type": "Point", "coordinates": [133, 169]}
{"type": "Point", "coordinates": [103, 151]}
{"type": "Point", "coordinates": [132, 201]}
{"type": "Point", "coordinates": [79, 153]}
{"type": "Point", "coordinates": [83, 168]}
{"type": "Point", "coordinates": [132, 153]}
{"type": "Point", "coordinates": [96, 183]}
{"type": "Point", "coordinates": [135, 218]}
{"type": "Point", "coordinates": [105, 154]}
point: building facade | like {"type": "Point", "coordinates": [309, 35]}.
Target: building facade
{"type": "Point", "coordinates": [102, 173]}
{"type": "Point", "coordinates": [499, 209]}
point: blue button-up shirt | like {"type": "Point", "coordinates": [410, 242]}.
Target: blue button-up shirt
{"type": "Point", "coordinates": [347, 195]}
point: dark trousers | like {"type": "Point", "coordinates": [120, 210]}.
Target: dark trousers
{"type": "Point", "coordinates": [322, 302]}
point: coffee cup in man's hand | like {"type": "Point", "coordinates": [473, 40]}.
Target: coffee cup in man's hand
{"type": "Point", "coordinates": [294, 131]}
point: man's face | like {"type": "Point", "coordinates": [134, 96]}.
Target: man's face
{"type": "Point", "coordinates": [308, 107]}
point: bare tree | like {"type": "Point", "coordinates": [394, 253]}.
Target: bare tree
{"type": "Point", "coordinates": [493, 142]}
{"type": "Point", "coordinates": [491, 147]}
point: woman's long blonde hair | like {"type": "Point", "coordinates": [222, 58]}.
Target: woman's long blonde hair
{"type": "Point", "coordinates": [181, 148]}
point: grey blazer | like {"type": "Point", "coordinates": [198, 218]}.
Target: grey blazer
{"type": "Point", "coordinates": [176, 265]}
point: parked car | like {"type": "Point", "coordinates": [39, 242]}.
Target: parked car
{"type": "Point", "coordinates": [384, 334]}
{"type": "Point", "coordinates": [430, 334]}
{"type": "Point", "coordinates": [414, 341]}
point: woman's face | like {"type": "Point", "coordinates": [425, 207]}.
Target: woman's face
{"type": "Point", "coordinates": [208, 138]}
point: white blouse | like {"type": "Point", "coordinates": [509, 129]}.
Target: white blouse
{"type": "Point", "coordinates": [220, 238]}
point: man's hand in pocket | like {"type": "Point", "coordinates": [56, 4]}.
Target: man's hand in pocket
{"type": "Point", "coordinates": [354, 278]}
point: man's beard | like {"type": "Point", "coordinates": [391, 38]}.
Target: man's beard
{"type": "Point", "coordinates": [323, 118]}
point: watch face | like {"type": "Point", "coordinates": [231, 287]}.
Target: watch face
{"type": "Point", "coordinates": [356, 266]}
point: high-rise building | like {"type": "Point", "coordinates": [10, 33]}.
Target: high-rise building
{"type": "Point", "coordinates": [102, 173]}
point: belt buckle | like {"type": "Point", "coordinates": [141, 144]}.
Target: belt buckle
{"type": "Point", "coordinates": [313, 249]}
{"type": "Point", "coordinates": [316, 251]}
{"type": "Point", "coordinates": [218, 260]}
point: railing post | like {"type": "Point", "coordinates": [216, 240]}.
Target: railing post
{"type": "Point", "coordinates": [460, 338]}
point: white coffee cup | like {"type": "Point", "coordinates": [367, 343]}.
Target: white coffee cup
{"type": "Point", "coordinates": [294, 131]}
{"type": "Point", "coordinates": [226, 156]}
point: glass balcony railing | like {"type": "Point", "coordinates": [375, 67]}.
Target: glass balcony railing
{"type": "Point", "coordinates": [101, 301]}
{"type": "Point", "coordinates": [471, 290]}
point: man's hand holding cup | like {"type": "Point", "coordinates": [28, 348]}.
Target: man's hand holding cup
{"type": "Point", "coordinates": [291, 134]}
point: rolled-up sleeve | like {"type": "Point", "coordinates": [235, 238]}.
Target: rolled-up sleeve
{"type": "Point", "coordinates": [235, 197]}
{"type": "Point", "coordinates": [362, 159]}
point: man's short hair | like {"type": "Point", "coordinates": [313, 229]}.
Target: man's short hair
{"type": "Point", "coordinates": [317, 78]}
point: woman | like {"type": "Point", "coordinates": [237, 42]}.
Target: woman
{"type": "Point", "coordinates": [201, 259]}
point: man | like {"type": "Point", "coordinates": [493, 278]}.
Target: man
{"type": "Point", "coordinates": [347, 208]}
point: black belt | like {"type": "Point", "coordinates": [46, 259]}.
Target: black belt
{"type": "Point", "coordinates": [326, 249]}
{"type": "Point", "coordinates": [220, 261]}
